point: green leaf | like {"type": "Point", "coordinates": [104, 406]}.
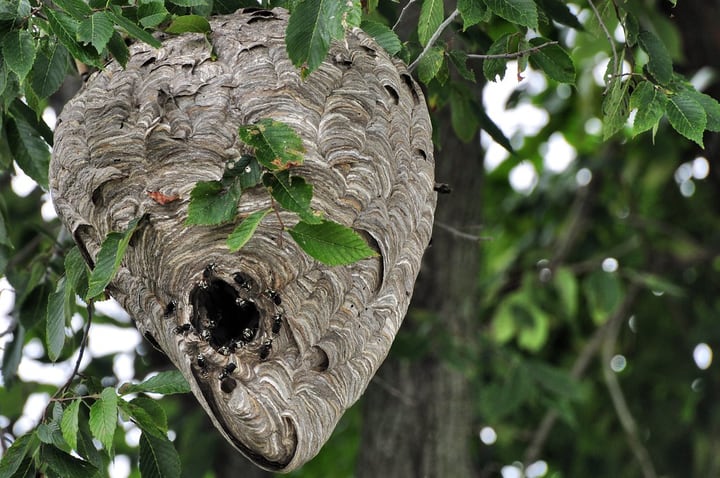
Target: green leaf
{"type": "Point", "coordinates": [189, 23]}
{"type": "Point", "coordinates": [312, 25]}
{"type": "Point", "coordinates": [151, 14]}
{"type": "Point", "coordinates": [494, 67]}
{"type": "Point", "coordinates": [554, 380]}
{"type": "Point", "coordinates": [166, 383]}
{"type": "Point", "coordinates": [650, 103]}
{"type": "Point", "coordinates": [473, 12]}
{"type": "Point", "coordinates": [615, 107]}
{"type": "Point", "coordinates": [14, 11]}
{"type": "Point", "coordinates": [49, 69]}
{"type": "Point", "coordinates": [58, 313]}
{"type": "Point", "coordinates": [96, 30]}
{"type": "Point", "coordinates": [77, 8]}
{"type": "Point", "coordinates": [69, 424]}
{"type": "Point", "coordinates": [64, 464]}
{"type": "Point", "coordinates": [459, 59]}
{"type": "Point", "coordinates": [560, 12]}
{"type": "Point", "coordinates": [108, 259]}
{"type": "Point", "coordinates": [462, 115]}
{"type": "Point", "coordinates": [489, 126]}
{"type": "Point", "coordinates": [33, 307]}
{"type": "Point", "coordinates": [189, 3]}
{"type": "Point", "coordinates": [12, 355]}
{"type": "Point", "coordinates": [29, 150]}
{"type": "Point", "coordinates": [21, 111]}
{"type": "Point", "coordinates": [432, 14]}
{"type": "Point", "coordinates": [277, 145]}
{"type": "Point", "coordinates": [158, 457]}
{"type": "Point", "coordinates": [522, 12]}
{"type": "Point", "coordinates": [242, 234]}
{"type": "Point", "coordinates": [76, 271]}
{"type": "Point", "coordinates": [383, 35]}
{"type": "Point", "coordinates": [131, 28]}
{"type": "Point", "coordinates": [430, 64]}
{"type": "Point", "coordinates": [553, 60]}
{"type": "Point", "coordinates": [24, 446]}
{"type": "Point", "coordinates": [103, 418]}
{"type": "Point", "coordinates": [213, 203]}
{"type": "Point", "coordinates": [293, 193]}
{"type": "Point", "coordinates": [604, 293]}
{"type": "Point", "coordinates": [331, 243]}
{"type": "Point", "coordinates": [118, 49]}
{"type": "Point", "coordinates": [65, 28]}
{"type": "Point", "coordinates": [246, 171]}
{"type": "Point", "coordinates": [687, 116]}
{"type": "Point", "coordinates": [148, 419]}
{"type": "Point", "coordinates": [567, 287]}
{"type": "Point", "coordinates": [712, 109]}
{"type": "Point", "coordinates": [659, 63]}
{"type": "Point", "coordinates": [18, 48]}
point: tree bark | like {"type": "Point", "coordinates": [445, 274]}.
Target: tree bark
{"type": "Point", "coordinates": [417, 415]}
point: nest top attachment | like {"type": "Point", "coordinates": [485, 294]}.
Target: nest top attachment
{"type": "Point", "coordinates": [275, 345]}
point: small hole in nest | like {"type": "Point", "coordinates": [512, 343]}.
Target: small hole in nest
{"type": "Point", "coordinates": [319, 360]}
{"type": "Point", "coordinates": [221, 316]}
{"type": "Point", "coordinates": [393, 93]}
{"type": "Point", "coordinates": [410, 84]}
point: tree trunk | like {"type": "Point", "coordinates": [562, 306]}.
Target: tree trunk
{"type": "Point", "coordinates": [417, 415]}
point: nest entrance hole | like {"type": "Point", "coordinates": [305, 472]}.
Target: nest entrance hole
{"type": "Point", "coordinates": [222, 316]}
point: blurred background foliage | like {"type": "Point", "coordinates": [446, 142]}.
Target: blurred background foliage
{"type": "Point", "coordinates": [593, 304]}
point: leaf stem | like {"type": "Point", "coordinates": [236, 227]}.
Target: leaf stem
{"type": "Point", "coordinates": [607, 35]}
{"type": "Point", "coordinates": [402, 14]}
{"type": "Point", "coordinates": [510, 56]}
{"type": "Point", "coordinates": [433, 39]}
{"type": "Point", "coordinates": [83, 345]}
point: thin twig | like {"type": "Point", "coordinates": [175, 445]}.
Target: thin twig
{"type": "Point", "coordinates": [81, 352]}
{"type": "Point", "coordinates": [581, 364]}
{"type": "Point", "coordinates": [460, 234]}
{"type": "Point", "coordinates": [510, 56]}
{"type": "Point", "coordinates": [620, 404]}
{"type": "Point", "coordinates": [402, 14]}
{"type": "Point", "coordinates": [434, 38]}
{"type": "Point", "coordinates": [607, 35]}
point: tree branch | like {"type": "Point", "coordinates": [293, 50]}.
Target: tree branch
{"type": "Point", "coordinates": [81, 352]}
{"type": "Point", "coordinates": [433, 39]}
{"type": "Point", "coordinates": [510, 56]}
{"type": "Point", "coordinates": [621, 407]}
{"type": "Point", "coordinates": [607, 35]}
{"type": "Point", "coordinates": [402, 14]}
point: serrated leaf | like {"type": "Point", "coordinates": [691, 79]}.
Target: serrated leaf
{"type": "Point", "coordinates": [64, 464]}
{"type": "Point", "coordinates": [650, 103]}
{"type": "Point", "coordinates": [65, 28]}
{"type": "Point", "coordinates": [615, 107]}
{"type": "Point", "coordinates": [659, 61]}
{"type": "Point", "coordinates": [58, 313]}
{"type": "Point", "coordinates": [77, 8]}
{"type": "Point", "coordinates": [242, 234]}
{"type": "Point", "coordinates": [247, 171]}
{"type": "Point", "coordinates": [213, 203]}
{"type": "Point", "coordinates": [277, 145]}
{"type": "Point", "coordinates": [96, 30]}
{"type": "Point", "coordinates": [292, 193]}
{"type": "Point", "coordinates": [158, 457]}
{"type": "Point", "coordinates": [494, 67]}
{"type": "Point", "coordinates": [472, 12]}
{"type": "Point", "coordinates": [189, 3]}
{"type": "Point", "coordinates": [22, 111]}
{"type": "Point", "coordinates": [559, 12]}
{"type": "Point", "coordinates": [24, 446]}
{"type": "Point", "coordinates": [152, 409]}
{"type": "Point", "coordinates": [131, 28]}
{"type": "Point", "coordinates": [152, 14]}
{"type": "Point", "coordinates": [432, 14]}
{"type": "Point", "coordinates": [188, 23]}
{"type": "Point", "coordinates": [312, 25]}
{"type": "Point", "coordinates": [166, 383]}
{"type": "Point", "coordinates": [522, 12]}
{"type": "Point", "coordinates": [108, 259]}
{"type": "Point", "coordinates": [119, 49]}
{"type": "Point", "coordinates": [687, 116]}
{"type": "Point", "coordinates": [76, 271]}
{"type": "Point", "coordinates": [553, 60]}
{"type": "Point", "coordinates": [383, 35]}
{"type": "Point", "coordinates": [331, 243]}
{"type": "Point", "coordinates": [29, 150]}
{"type": "Point", "coordinates": [18, 48]}
{"type": "Point", "coordinates": [459, 59]}
{"type": "Point", "coordinates": [462, 115]}
{"type": "Point", "coordinates": [145, 419]}
{"type": "Point", "coordinates": [103, 418]}
{"type": "Point", "coordinates": [711, 107]}
{"type": "Point", "coordinates": [430, 64]}
{"type": "Point", "coordinates": [69, 424]}
{"type": "Point", "coordinates": [12, 355]}
{"type": "Point", "coordinates": [49, 70]}
{"type": "Point", "coordinates": [14, 11]}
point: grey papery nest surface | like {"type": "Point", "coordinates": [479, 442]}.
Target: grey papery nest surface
{"type": "Point", "coordinates": [275, 345]}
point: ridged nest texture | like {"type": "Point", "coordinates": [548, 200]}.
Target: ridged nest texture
{"type": "Point", "coordinates": [275, 345]}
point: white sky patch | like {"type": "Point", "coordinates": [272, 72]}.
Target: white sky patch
{"type": "Point", "coordinates": [610, 264]}
{"type": "Point", "coordinates": [601, 65]}
{"type": "Point", "coordinates": [107, 339]}
{"type": "Point", "coordinates": [700, 168]}
{"type": "Point", "coordinates": [558, 154]}
{"type": "Point", "coordinates": [703, 356]}
{"type": "Point", "coordinates": [523, 177]}
{"type": "Point", "coordinates": [488, 435]}
{"type": "Point", "coordinates": [50, 117]}
{"type": "Point", "coordinates": [21, 183]}
{"type": "Point", "coordinates": [47, 210]}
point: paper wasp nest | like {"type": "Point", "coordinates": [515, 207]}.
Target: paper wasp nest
{"type": "Point", "coordinates": [275, 345]}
